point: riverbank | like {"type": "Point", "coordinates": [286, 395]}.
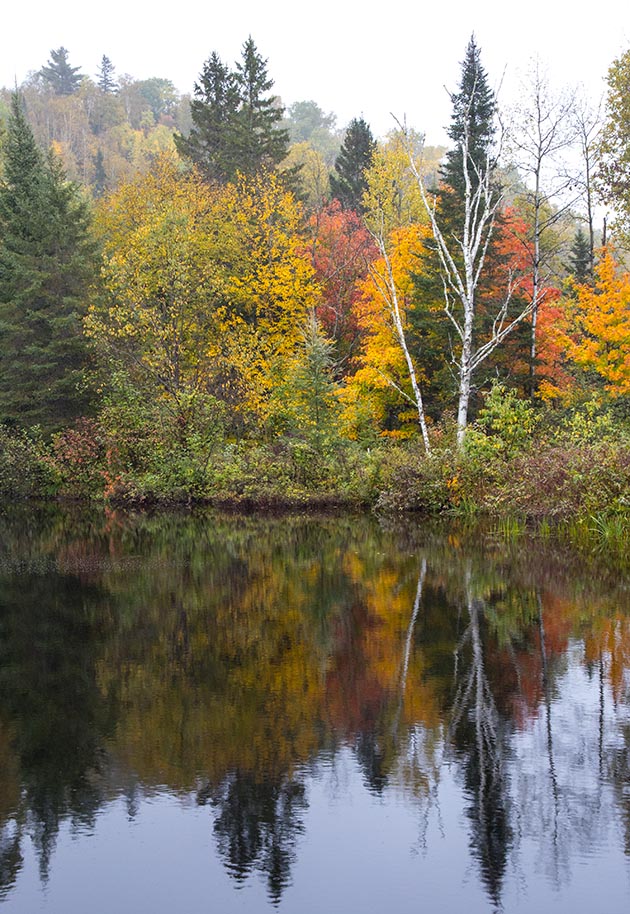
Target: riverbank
{"type": "Point", "coordinates": [574, 485]}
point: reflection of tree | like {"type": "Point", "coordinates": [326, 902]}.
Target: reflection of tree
{"type": "Point", "coordinates": [234, 652]}
{"type": "Point", "coordinates": [49, 648]}
{"type": "Point", "coordinates": [10, 855]}
{"type": "Point", "coordinates": [479, 734]}
{"type": "Point", "coordinates": [257, 826]}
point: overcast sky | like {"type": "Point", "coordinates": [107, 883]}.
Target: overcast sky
{"type": "Point", "coordinates": [349, 57]}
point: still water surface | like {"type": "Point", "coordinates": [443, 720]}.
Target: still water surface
{"type": "Point", "coordinates": [222, 714]}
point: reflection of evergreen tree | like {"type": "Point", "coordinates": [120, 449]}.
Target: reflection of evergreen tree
{"type": "Point", "coordinates": [49, 645]}
{"type": "Point", "coordinates": [478, 735]}
{"type": "Point", "coordinates": [373, 761]}
{"type": "Point", "coordinates": [257, 827]}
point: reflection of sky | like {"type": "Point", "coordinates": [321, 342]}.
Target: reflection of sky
{"type": "Point", "coordinates": [367, 852]}
{"type": "Point", "coordinates": [568, 816]}
{"type": "Point", "coordinates": [359, 852]}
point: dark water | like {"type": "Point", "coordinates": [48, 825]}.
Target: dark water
{"type": "Point", "coordinates": [211, 714]}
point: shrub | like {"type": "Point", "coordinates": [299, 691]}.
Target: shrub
{"type": "Point", "coordinates": [26, 470]}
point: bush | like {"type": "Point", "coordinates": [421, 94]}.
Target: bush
{"type": "Point", "coordinates": [26, 470]}
{"type": "Point", "coordinates": [414, 482]}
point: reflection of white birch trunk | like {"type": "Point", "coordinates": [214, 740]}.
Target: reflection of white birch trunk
{"type": "Point", "coordinates": [474, 696]}
{"type": "Point", "coordinates": [408, 642]}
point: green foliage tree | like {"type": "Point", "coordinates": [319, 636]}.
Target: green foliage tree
{"type": "Point", "coordinates": [63, 79]}
{"type": "Point", "coordinates": [260, 140]}
{"type": "Point", "coordinates": [613, 177]}
{"type": "Point", "coordinates": [473, 110]}
{"type": "Point", "coordinates": [310, 390]}
{"type": "Point", "coordinates": [348, 182]}
{"type": "Point", "coordinates": [464, 304]}
{"type": "Point", "coordinates": [100, 175]}
{"type": "Point", "coordinates": [160, 94]}
{"type": "Point", "coordinates": [307, 123]}
{"type": "Point", "coordinates": [46, 264]}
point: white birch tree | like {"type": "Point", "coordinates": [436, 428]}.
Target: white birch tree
{"type": "Point", "coordinates": [462, 249]}
{"type": "Point", "coordinates": [462, 259]}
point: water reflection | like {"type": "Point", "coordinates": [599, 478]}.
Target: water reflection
{"type": "Point", "coordinates": [223, 661]}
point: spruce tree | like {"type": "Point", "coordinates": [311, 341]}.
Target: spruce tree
{"type": "Point", "coordinates": [347, 182]}
{"type": "Point", "coordinates": [472, 131]}
{"type": "Point", "coordinates": [99, 181]}
{"type": "Point", "coordinates": [236, 122]}
{"type": "Point", "coordinates": [260, 140]}
{"type": "Point", "coordinates": [63, 79]}
{"type": "Point", "coordinates": [46, 263]}
{"type": "Point", "coordinates": [210, 144]}
{"type": "Point", "coordinates": [580, 260]}
{"type": "Point", "coordinates": [106, 80]}
{"type": "Point", "coordinates": [472, 123]}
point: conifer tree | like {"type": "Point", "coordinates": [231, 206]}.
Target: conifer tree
{"type": "Point", "coordinates": [210, 144]}
{"type": "Point", "coordinates": [260, 140]}
{"type": "Point", "coordinates": [472, 121]}
{"type": "Point", "coordinates": [473, 112]}
{"type": "Point", "coordinates": [46, 264]}
{"type": "Point", "coordinates": [466, 296]}
{"type": "Point", "coordinates": [63, 79]}
{"type": "Point", "coordinates": [580, 260]}
{"type": "Point", "coordinates": [99, 181]}
{"type": "Point", "coordinates": [106, 80]}
{"type": "Point", "coordinates": [347, 182]}
{"type": "Point", "coordinates": [236, 122]}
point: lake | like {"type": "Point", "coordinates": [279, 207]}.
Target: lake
{"type": "Point", "coordinates": [211, 713]}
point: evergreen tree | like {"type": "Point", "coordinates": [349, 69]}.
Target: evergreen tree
{"type": "Point", "coordinates": [63, 79]}
{"type": "Point", "coordinates": [310, 390]}
{"type": "Point", "coordinates": [235, 121]}
{"type": "Point", "coordinates": [347, 182]}
{"type": "Point", "coordinates": [472, 130]}
{"type": "Point", "coordinates": [106, 80]}
{"type": "Point", "coordinates": [46, 263]}
{"type": "Point", "coordinates": [580, 260]}
{"type": "Point", "coordinates": [210, 144]}
{"type": "Point", "coordinates": [99, 182]}
{"type": "Point", "coordinates": [472, 123]}
{"type": "Point", "coordinates": [260, 141]}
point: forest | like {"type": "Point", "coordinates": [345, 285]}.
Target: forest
{"type": "Point", "coordinates": [212, 298]}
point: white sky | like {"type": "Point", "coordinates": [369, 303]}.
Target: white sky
{"type": "Point", "coordinates": [351, 58]}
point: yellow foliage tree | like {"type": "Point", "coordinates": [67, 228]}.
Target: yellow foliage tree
{"type": "Point", "coordinates": [393, 199]}
{"type": "Point", "coordinates": [597, 333]}
{"type": "Point", "coordinates": [381, 385]}
{"type": "Point", "coordinates": [163, 276]}
{"type": "Point", "coordinates": [271, 287]}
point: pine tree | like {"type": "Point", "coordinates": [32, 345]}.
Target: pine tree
{"type": "Point", "coordinates": [106, 80]}
{"type": "Point", "coordinates": [46, 264]}
{"type": "Point", "coordinates": [347, 182]}
{"type": "Point", "coordinates": [210, 144]}
{"type": "Point", "coordinates": [63, 79]}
